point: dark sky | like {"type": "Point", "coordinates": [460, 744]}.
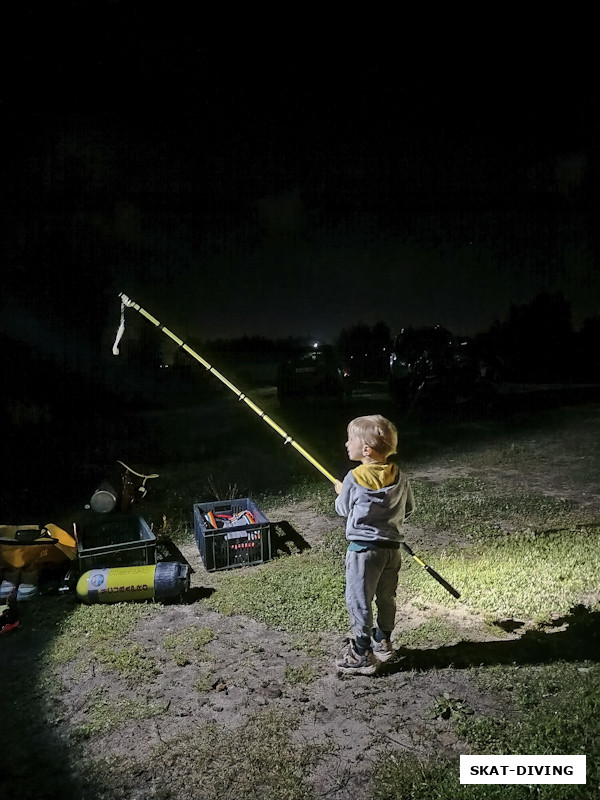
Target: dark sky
{"type": "Point", "coordinates": [295, 189]}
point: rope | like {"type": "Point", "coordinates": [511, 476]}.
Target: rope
{"type": "Point", "coordinates": [142, 489]}
{"type": "Point", "coordinates": [125, 301]}
{"type": "Point", "coordinates": [154, 475]}
{"type": "Point", "coordinates": [120, 331]}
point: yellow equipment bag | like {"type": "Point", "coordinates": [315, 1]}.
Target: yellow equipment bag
{"type": "Point", "coordinates": [31, 547]}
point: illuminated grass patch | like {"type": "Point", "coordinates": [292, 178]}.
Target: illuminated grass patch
{"type": "Point", "coordinates": [434, 631]}
{"type": "Point", "coordinates": [301, 593]}
{"type": "Point", "coordinates": [524, 576]}
{"type": "Point", "coordinates": [86, 627]}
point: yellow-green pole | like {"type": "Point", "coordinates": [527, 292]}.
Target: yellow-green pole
{"type": "Point", "coordinates": [240, 395]}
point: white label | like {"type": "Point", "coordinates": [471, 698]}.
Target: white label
{"type": "Point", "coordinates": [522, 769]}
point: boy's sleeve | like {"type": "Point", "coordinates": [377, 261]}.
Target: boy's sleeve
{"type": "Point", "coordinates": [342, 501]}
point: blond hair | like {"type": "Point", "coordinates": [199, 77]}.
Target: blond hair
{"type": "Point", "coordinates": [375, 431]}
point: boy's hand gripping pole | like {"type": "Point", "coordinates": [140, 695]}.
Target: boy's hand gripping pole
{"type": "Point", "coordinates": [432, 572]}
{"type": "Point", "coordinates": [127, 302]}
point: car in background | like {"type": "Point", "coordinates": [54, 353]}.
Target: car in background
{"type": "Point", "coordinates": [313, 371]}
{"type": "Point", "coordinates": [433, 368]}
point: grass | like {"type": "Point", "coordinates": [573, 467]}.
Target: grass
{"type": "Point", "coordinates": [553, 710]}
{"type": "Point", "coordinates": [300, 593]}
{"type": "Point", "coordinates": [313, 489]}
{"type": "Point", "coordinates": [97, 634]}
{"type": "Point", "coordinates": [104, 713]}
{"type": "Point", "coordinates": [132, 663]}
{"type": "Point", "coordinates": [471, 510]}
{"type": "Point", "coordinates": [434, 631]}
{"type": "Point", "coordinates": [525, 576]}
{"type": "Point", "coordinates": [302, 674]}
{"type": "Point", "coordinates": [256, 761]}
{"type": "Point", "coordinates": [204, 682]}
{"type": "Point", "coordinates": [91, 631]}
{"type": "Point", "coordinates": [446, 706]}
{"type": "Point", "coordinates": [188, 645]}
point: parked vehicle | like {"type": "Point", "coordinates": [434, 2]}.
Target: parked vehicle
{"type": "Point", "coordinates": [313, 371]}
{"type": "Point", "coordinates": [431, 367]}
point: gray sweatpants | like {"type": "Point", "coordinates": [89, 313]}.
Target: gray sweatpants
{"type": "Point", "coordinates": [371, 575]}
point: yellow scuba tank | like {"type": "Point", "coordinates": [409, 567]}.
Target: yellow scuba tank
{"type": "Point", "coordinates": [162, 581]}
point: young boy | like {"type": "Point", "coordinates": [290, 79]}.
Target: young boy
{"type": "Point", "coordinates": [376, 498]}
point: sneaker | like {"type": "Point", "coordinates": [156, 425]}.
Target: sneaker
{"type": "Point", "coordinates": [26, 591]}
{"type": "Point", "coordinates": [7, 588]}
{"type": "Point", "coordinates": [383, 650]}
{"type": "Point", "coordinates": [350, 662]}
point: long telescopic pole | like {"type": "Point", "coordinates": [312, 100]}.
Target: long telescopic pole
{"type": "Point", "coordinates": [126, 301]}
{"type": "Point", "coordinates": [240, 395]}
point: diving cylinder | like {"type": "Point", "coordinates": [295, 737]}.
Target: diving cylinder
{"type": "Point", "coordinates": [104, 498]}
{"type": "Point", "coordinates": [162, 581]}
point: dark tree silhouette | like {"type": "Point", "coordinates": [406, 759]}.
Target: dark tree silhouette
{"type": "Point", "coordinates": [366, 350]}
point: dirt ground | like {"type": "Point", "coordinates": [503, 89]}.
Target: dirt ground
{"type": "Point", "coordinates": [358, 718]}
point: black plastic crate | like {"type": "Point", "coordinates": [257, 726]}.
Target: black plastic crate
{"type": "Point", "coordinates": [114, 540]}
{"type": "Point", "coordinates": [236, 542]}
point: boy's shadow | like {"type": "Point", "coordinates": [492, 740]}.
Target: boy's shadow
{"type": "Point", "coordinates": [580, 641]}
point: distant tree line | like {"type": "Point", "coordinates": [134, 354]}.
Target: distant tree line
{"type": "Point", "coordinates": [535, 343]}
{"type": "Point", "coordinates": [366, 350]}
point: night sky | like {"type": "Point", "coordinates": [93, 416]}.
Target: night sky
{"type": "Point", "coordinates": [292, 189]}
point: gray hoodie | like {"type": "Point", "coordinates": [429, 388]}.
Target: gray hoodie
{"type": "Point", "coordinates": [376, 499]}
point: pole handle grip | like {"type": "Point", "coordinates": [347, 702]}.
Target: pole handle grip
{"type": "Point", "coordinates": [448, 587]}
